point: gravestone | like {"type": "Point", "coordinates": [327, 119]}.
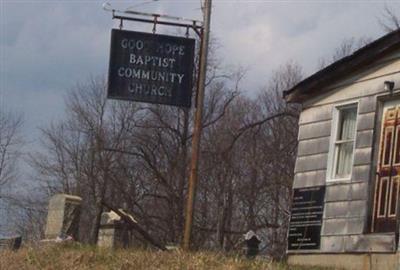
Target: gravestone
{"type": "Point", "coordinates": [114, 232]}
{"type": "Point", "coordinates": [13, 243]}
{"type": "Point", "coordinates": [63, 216]}
{"type": "Point", "coordinates": [252, 242]}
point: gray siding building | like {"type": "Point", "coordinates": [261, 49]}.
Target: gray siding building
{"type": "Point", "coordinates": [347, 174]}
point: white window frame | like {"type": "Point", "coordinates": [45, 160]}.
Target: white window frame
{"type": "Point", "coordinates": [332, 155]}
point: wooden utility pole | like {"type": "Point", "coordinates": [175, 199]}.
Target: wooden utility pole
{"type": "Point", "coordinates": [197, 124]}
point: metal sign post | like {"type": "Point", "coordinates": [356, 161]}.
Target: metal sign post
{"type": "Point", "coordinates": [197, 125]}
{"type": "Point", "coordinates": [203, 31]}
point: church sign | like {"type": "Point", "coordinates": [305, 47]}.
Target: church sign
{"type": "Point", "coordinates": [306, 218]}
{"type": "Point", "coordinates": [151, 68]}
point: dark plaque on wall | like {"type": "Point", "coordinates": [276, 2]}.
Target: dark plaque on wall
{"type": "Point", "coordinates": [306, 218]}
{"type": "Point", "coordinates": [151, 68]}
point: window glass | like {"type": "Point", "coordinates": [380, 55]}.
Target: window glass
{"type": "Point", "coordinates": [344, 158]}
{"type": "Point", "coordinates": [344, 142]}
{"type": "Point", "coordinates": [347, 123]}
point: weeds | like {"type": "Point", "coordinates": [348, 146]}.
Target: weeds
{"type": "Point", "coordinates": [74, 256]}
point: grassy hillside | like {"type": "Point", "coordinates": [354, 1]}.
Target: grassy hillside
{"type": "Point", "coordinates": [78, 257]}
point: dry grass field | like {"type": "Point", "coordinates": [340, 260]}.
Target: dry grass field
{"type": "Point", "coordinates": [80, 257]}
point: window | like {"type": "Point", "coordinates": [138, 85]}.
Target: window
{"type": "Point", "coordinates": [344, 132]}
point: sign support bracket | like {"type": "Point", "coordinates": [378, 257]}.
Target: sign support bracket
{"type": "Point", "coordinates": [154, 19]}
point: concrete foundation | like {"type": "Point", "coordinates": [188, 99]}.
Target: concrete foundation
{"type": "Point", "coordinates": [364, 261]}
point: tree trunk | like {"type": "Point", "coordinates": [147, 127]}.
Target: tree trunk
{"type": "Point", "coordinates": [94, 232]}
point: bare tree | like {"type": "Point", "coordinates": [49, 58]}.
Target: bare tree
{"type": "Point", "coordinates": [10, 151]}
{"type": "Point", "coordinates": [10, 144]}
{"type": "Point", "coordinates": [345, 48]}
{"type": "Point", "coordinates": [27, 215]}
{"type": "Point", "coordinates": [247, 169]}
{"type": "Point", "coordinates": [137, 155]}
{"type": "Point", "coordinates": [281, 144]}
{"type": "Point", "coordinates": [75, 160]}
{"type": "Point", "coordinates": [389, 20]}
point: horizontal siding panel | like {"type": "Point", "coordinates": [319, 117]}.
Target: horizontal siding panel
{"type": "Point", "coordinates": [309, 179]}
{"type": "Point", "coordinates": [367, 104]}
{"type": "Point", "coordinates": [364, 138]}
{"type": "Point", "coordinates": [357, 208]}
{"type": "Point", "coordinates": [346, 192]}
{"type": "Point", "coordinates": [355, 225]}
{"type": "Point", "coordinates": [336, 209]}
{"type": "Point", "coordinates": [315, 130]}
{"type": "Point", "coordinates": [366, 121]}
{"type": "Point", "coordinates": [341, 192]}
{"type": "Point", "coordinates": [362, 156]}
{"type": "Point", "coordinates": [345, 209]}
{"type": "Point", "coordinates": [361, 173]}
{"type": "Point", "coordinates": [316, 114]}
{"type": "Point", "coordinates": [359, 191]}
{"type": "Point", "coordinates": [313, 146]}
{"type": "Point", "coordinates": [343, 226]}
{"type": "Point", "coordinates": [311, 163]}
{"type": "Point", "coordinates": [334, 226]}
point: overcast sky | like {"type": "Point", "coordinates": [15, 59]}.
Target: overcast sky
{"type": "Point", "coordinates": [46, 47]}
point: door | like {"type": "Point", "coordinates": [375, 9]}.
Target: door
{"type": "Point", "coordinates": [387, 184]}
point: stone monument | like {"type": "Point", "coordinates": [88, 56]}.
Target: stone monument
{"type": "Point", "coordinates": [114, 232]}
{"type": "Point", "coordinates": [63, 216]}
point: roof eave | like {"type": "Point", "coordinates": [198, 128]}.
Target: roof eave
{"type": "Point", "coordinates": [342, 67]}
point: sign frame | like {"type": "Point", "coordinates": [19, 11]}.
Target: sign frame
{"type": "Point", "coordinates": [159, 70]}
{"type": "Point", "coordinates": [304, 232]}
